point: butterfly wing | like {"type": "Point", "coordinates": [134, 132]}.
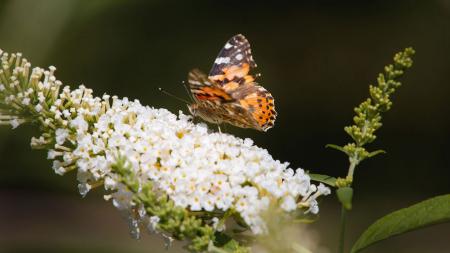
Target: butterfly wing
{"type": "Point", "coordinates": [203, 90]}
{"type": "Point", "coordinates": [232, 66]}
{"type": "Point", "coordinates": [236, 52]}
{"type": "Point", "coordinates": [230, 93]}
{"type": "Point", "coordinates": [259, 105]}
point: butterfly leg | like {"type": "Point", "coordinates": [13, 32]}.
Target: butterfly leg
{"type": "Point", "coordinates": [218, 126]}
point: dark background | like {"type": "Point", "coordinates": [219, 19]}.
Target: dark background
{"type": "Point", "coordinates": [317, 59]}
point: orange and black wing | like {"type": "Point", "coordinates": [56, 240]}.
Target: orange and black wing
{"type": "Point", "coordinates": [232, 91]}
{"type": "Point", "coordinates": [202, 89]}
{"type": "Point", "coordinates": [259, 105]}
{"type": "Point", "coordinates": [232, 66]}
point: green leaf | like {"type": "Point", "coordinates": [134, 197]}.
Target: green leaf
{"type": "Point", "coordinates": [429, 212]}
{"type": "Point", "coordinates": [221, 239]}
{"type": "Point", "coordinates": [337, 147]}
{"type": "Point", "coordinates": [345, 196]}
{"type": "Point", "coordinates": [376, 152]}
{"type": "Point", "coordinates": [331, 181]}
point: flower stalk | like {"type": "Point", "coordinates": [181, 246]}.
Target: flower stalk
{"type": "Point", "coordinates": [366, 122]}
{"type": "Point", "coordinates": [369, 113]}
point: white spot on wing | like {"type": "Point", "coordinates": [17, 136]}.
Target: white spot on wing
{"type": "Point", "coordinates": [228, 46]}
{"type": "Point", "coordinates": [220, 60]}
{"type": "Point", "coordinates": [239, 57]}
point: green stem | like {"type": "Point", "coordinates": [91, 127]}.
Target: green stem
{"type": "Point", "coordinates": [354, 161]}
{"type": "Point", "coordinates": [351, 169]}
{"type": "Point", "coordinates": [342, 234]}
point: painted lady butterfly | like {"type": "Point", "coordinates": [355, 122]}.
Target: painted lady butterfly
{"type": "Point", "coordinates": [229, 94]}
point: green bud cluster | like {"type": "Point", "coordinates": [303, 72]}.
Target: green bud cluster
{"type": "Point", "coordinates": [369, 113]}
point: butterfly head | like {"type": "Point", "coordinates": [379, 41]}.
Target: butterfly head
{"type": "Point", "coordinates": [193, 109]}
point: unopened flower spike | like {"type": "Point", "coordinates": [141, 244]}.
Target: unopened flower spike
{"type": "Point", "coordinates": [369, 114]}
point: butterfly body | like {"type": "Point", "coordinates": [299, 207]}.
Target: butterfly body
{"type": "Point", "coordinates": [229, 94]}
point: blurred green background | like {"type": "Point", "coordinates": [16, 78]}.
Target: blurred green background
{"type": "Point", "coordinates": [317, 59]}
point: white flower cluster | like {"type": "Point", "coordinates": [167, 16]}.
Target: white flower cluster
{"type": "Point", "coordinates": [196, 169]}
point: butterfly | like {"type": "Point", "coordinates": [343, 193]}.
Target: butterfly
{"type": "Point", "coordinates": [230, 94]}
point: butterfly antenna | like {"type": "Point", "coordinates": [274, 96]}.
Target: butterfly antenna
{"type": "Point", "coordinates": [187, 90]}
{"type": "Point", "coordinates": [173, 96]}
